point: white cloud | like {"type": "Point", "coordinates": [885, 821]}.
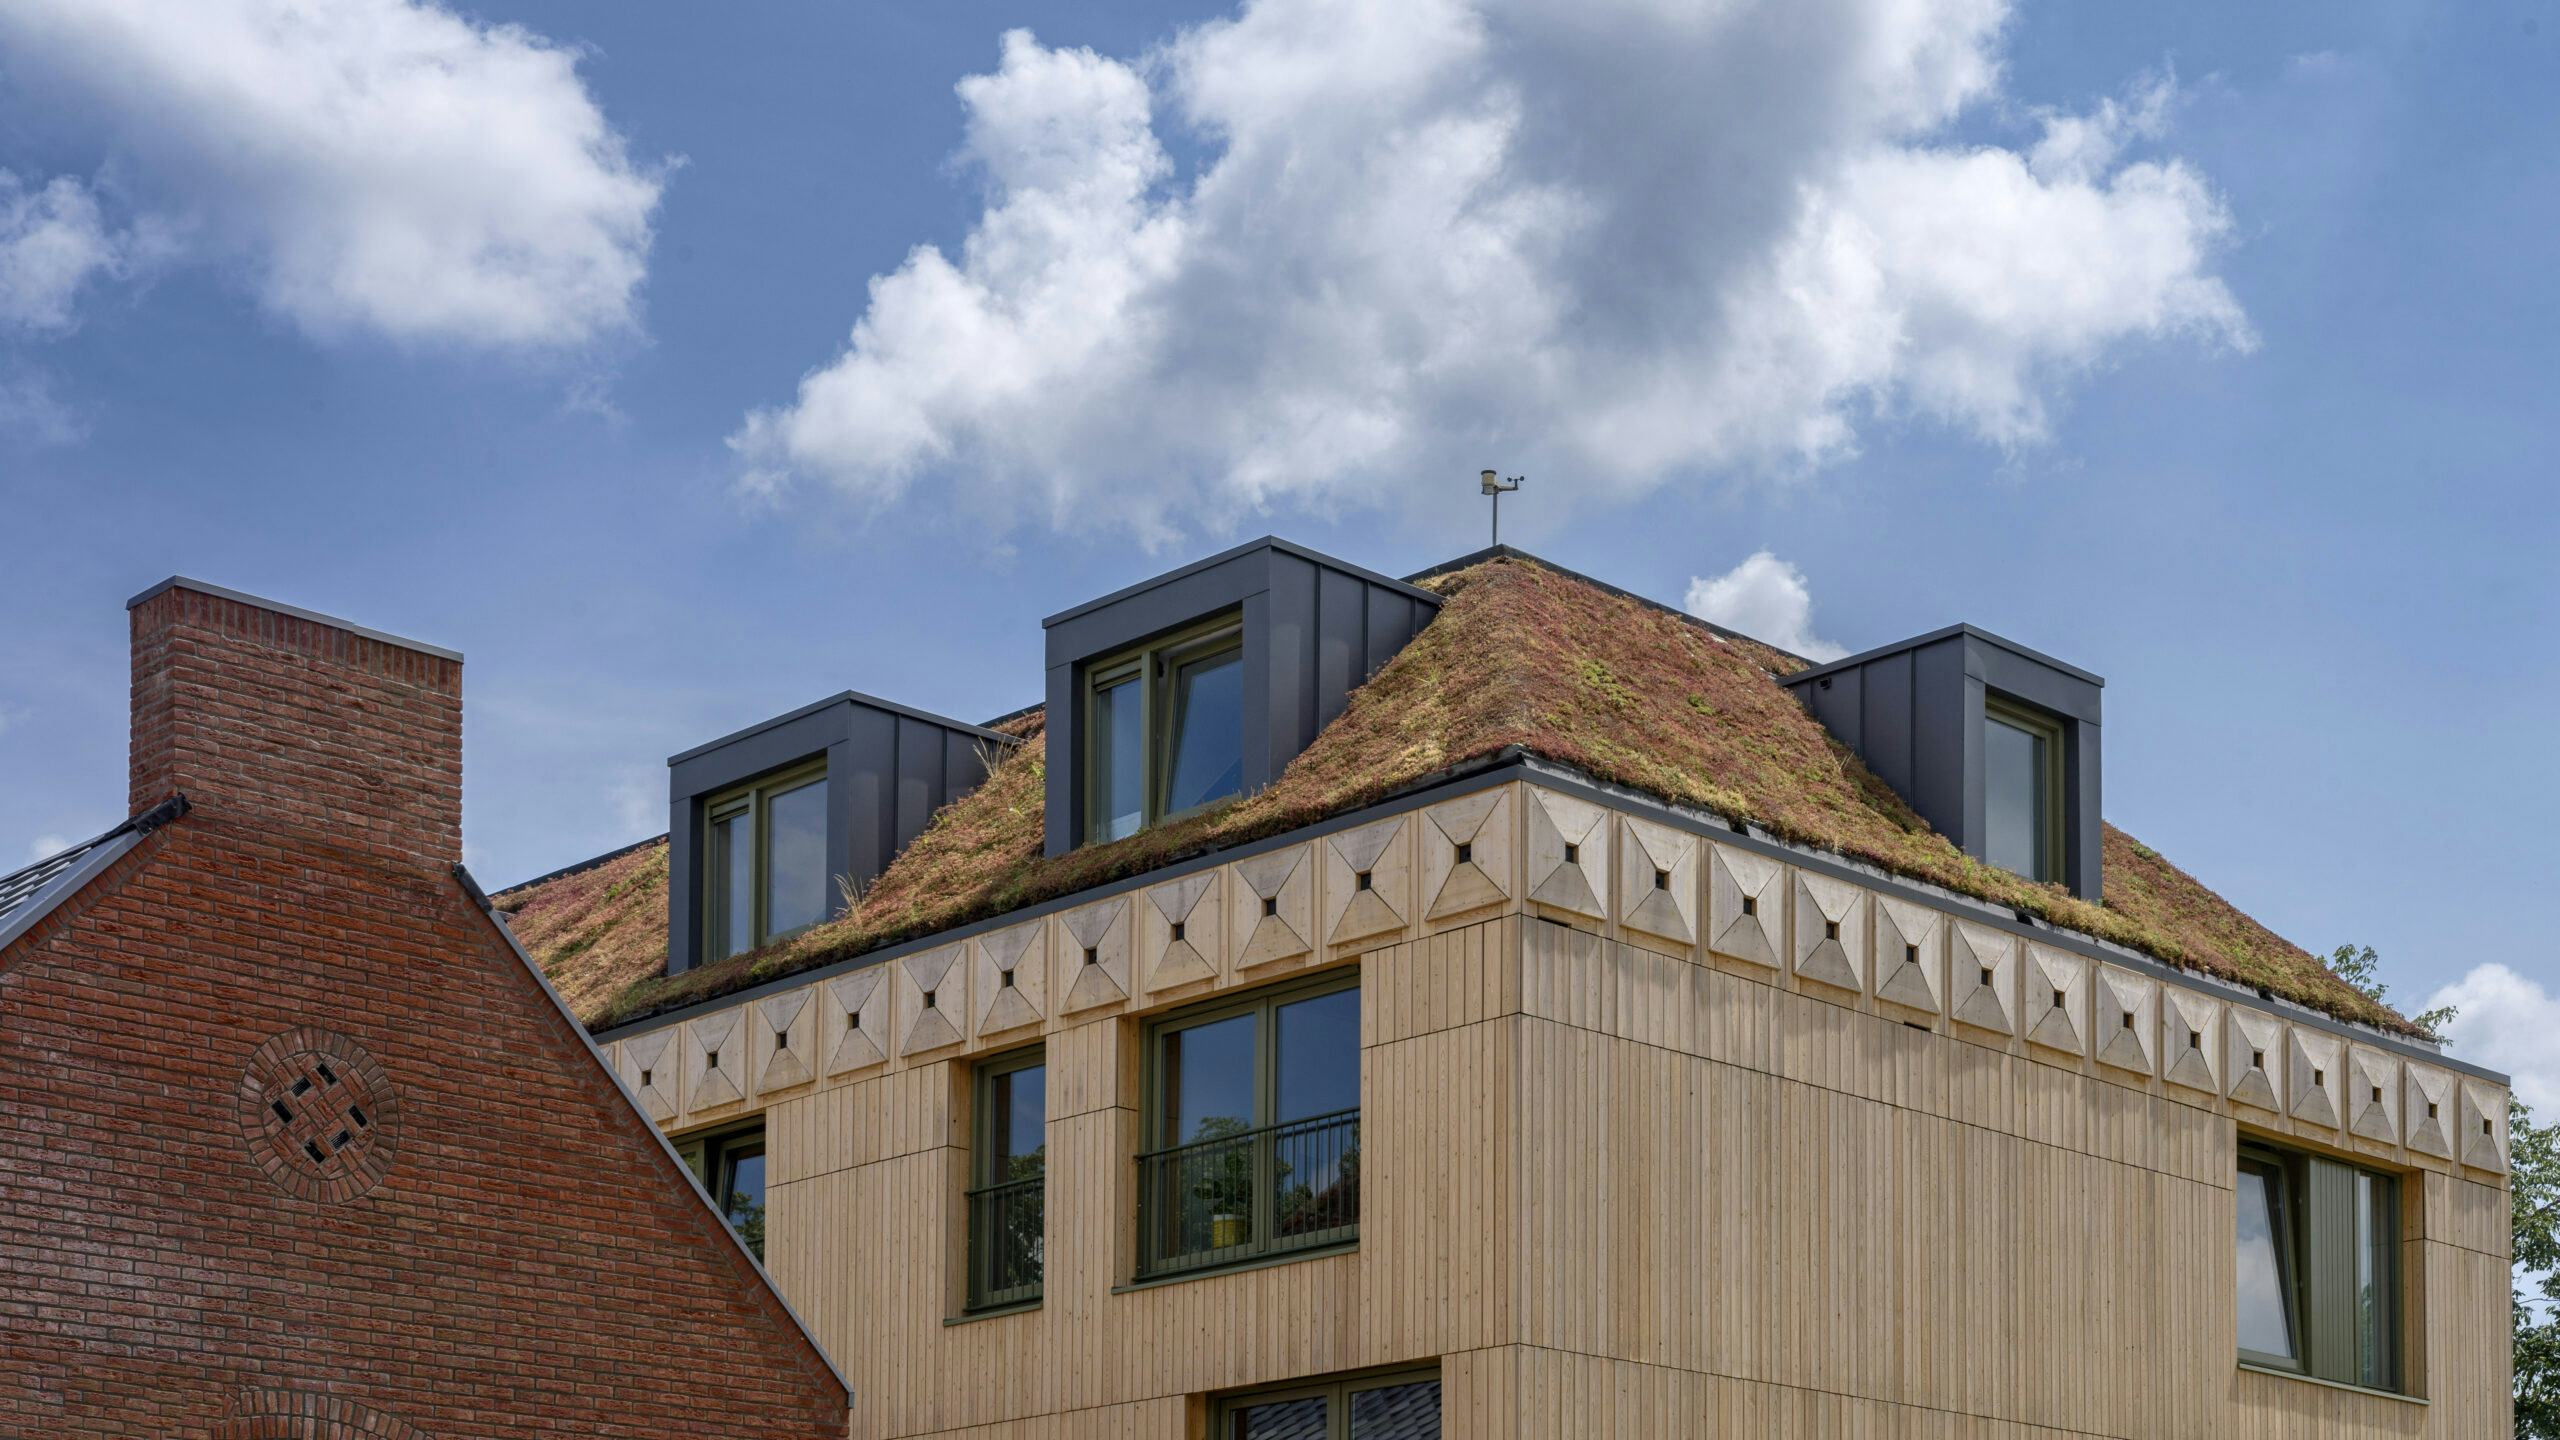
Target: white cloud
{"type": "Point", "coordinates": [48, 845]}
{"type": "Point", "coordinates": [2506, 1022]}
{"type": "Point", "coordinates": [32, 414]}
{"type": "Point", "coordinates": [1618, 244]}
{"type": "Point", "coordinates": [1767, 599]}
{"type": "Point", "coordinates": [52, 240]}
{"type": "Point", "coordinates": [383, 166]}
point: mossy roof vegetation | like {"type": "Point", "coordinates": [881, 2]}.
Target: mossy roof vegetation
{"type": "Point", "coordinates": [1520, 659]}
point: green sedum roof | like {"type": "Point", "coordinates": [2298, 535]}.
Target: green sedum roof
{"type": "Point", "coordinates": [1522, 658]}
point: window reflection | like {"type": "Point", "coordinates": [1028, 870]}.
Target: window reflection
{"type": "Point", "coordinates": [2265, 1324]}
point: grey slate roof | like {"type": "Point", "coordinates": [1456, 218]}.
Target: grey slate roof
{"type": "Point", "coordinates": [27, 893]}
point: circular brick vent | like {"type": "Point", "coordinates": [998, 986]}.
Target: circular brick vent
{"type": "Point", "coordinates": [301, 1415]}
{"type": "Point", "coordinates": [318, 1114]}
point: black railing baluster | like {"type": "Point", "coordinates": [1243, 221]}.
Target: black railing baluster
{"type": "Point", "coordinates": [1292, 1186]}
{"type": "Point", "coordinates": [1005, 1242]}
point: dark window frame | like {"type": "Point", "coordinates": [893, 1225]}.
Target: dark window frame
{"type": "Point", "coordinates": [990, 1196]}
{"type": "Point", "coordinates": [713, 1156]}
{"type": "Point", "coordinates": [1335, 1390]}
{"type": "Point", "coordinates": [753, 800]}
{"type": "Point", "coordinates": [2315, 1200]}
{"type": "Point", "coordinates": [2053, 812]}
{"type": "Point", "coordinates": [1262, 1244]}
{"type": "Point", "coordinates": [1152, 667]}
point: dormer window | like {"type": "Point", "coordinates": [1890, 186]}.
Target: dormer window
{"type": "Point", "coordinates": [1165, 729]}
{"type": "Point", "coordinates": [765, 861]}
{"type": "Point", "coordinates": [2021, 790]}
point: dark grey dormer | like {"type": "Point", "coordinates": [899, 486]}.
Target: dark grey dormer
{"type": "Point", "coordinates": [1995, 745]}
{"type": "Point", "coordinates": [1257, 648]}
{"type": "Point", "coordinates": [788, 810]}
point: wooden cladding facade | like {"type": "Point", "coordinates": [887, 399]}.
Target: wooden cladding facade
{"type": "Point", "coordinates": [1614, 1184]}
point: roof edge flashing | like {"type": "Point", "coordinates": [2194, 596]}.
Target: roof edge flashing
{"type": "Point", "coordinates": [1945, 632]}
{"type": "Point", "coordinates": [1233, 552]}
{"type": "Point", "coordinates": [842, 697]}
{"type": "Point", "coordinates": [243, 597]}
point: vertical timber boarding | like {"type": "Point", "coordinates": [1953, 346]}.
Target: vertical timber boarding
{"type": "Point", "coordinates": [1619, 1191]}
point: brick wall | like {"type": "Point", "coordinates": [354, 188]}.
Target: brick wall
{"type": "Point", "coordinates": [495, 1245]}
{"type": "Point", "coordinates": [303, 725]}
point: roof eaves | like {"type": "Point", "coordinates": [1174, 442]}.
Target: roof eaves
{"type": "Point", "coordinates": [1267, 542]}
{"type": "Point", "coordinates": [87, 860]}
{"type": "Point", "coordinates": [842, 697]}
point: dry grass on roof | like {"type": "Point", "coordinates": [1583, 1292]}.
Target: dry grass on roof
{"type": "Point", "coordinates": [597, 931]}
{"type": "Point", "coordinates": [1523, 657]}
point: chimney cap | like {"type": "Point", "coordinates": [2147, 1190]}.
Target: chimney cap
{"type": "Point", "coordinates": [220, 592]}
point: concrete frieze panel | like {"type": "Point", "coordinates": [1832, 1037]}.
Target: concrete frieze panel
{"type": "Point", "coordinates": [860, 1001]}
{"type": "Point", "coordinates": [2191, 1039]}
{"type": "Point", "coordinates": [2484, 1127]}
{"type": "Point", "coordinates": [1910, 945]}
{"type": "Point", "coordinates": [1746, 896]}
{"type": "Point", "coordinates": [715, 1061]}
{"type": "Point", "coordinates": [785, 1037]}
{"type": "Point", "coordinates": [652, 1067]}
{"type": "Point", "coordinates": [1274, 907]}
{"type": "Point", "coordinates": [1982, 977]}
{"type": "Point", "coordinates": [1831, 931]}
{"type": "Point", "coordinates": [1011, 970]}
{"type": "Point", "coordinates": [2313, 1075]}
{"type": "Point", "coordinates": [1178, 928]}
{"type": "Point", "coordinates": [1093, 954]}
{"type": "Point", "coordinates": [2125, 1020]}
{"type": "Point", "coordinates": [2427, 1104]}
{"type": "Point", "coordinates": [1466, 854]}
{"type": "Point", "coordinates": [932, 999]}
{"type": "Point", "coordinates": [2253, 1041]}
{"type": "Point", "coordinates": [1568, 854]}
{"type": "Point", "coordinates": [1658, 881]}
{"type": "Point", "coordinates": [2373, 1095]}
{"type": "Point", "coordinates": [1368, 881]}
{"type": "Point", "coordinates": [2053, 1000]}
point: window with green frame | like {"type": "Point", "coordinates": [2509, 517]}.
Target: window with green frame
{"type": "Point", "coordinates": [1398, 1405]}
{"type": "Point", "coordinates": [1251, 1128]}
{"type": "Point", "coordinates": [1008, 1180]}
{"type": "Point", "coordinates": [2021, 790]}
{"type": "Point", "coordinates": [764, 869]}
{"type": "Point", "coordinates": [1164, 729]}
{"type": "Point", "coordinates": [730, 1164]}
{"type": "Point", "coordinates": [2317, 1282]}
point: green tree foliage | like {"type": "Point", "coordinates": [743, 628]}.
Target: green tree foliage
{"type": "Point", "coordinates": [2534, 1175]}
{"type": "Point", "coordinates": [2361, 967]}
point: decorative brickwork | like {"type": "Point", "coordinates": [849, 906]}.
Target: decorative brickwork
{"type": "Point", "coordinates": [293, 968]}
{"type": "Point", "coordinates": [320, 1117]}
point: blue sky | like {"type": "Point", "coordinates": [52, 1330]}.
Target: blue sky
{"type": "Point", "coordinates": [2212, 348]}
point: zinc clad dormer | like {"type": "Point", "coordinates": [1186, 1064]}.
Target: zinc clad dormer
{"type": "Point", "coordinates": [1994, 744]}
{"type": "Point", "coordinates": [766, 827]}
{"type": "Point", "coordinates": [1205, 683]}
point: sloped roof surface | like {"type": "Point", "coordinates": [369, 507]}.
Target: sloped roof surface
{"type": "Point", "coordinates": [23, 889]}
{"type": "Point", "coordinates": [1521, 658]}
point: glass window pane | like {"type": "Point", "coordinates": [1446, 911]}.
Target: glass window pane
{"type": "Point", "coordinates": [1397, 1412]}
{"type": "Point", "coordinates": [2265, 1325]}
{"type": "Point", "coordinates": [1017, 1117]}
{"type": "Point", "coordinates": [733, 878]}
{"type": "Point", "coordinates": [796, 858]}
{"type": "Point", "coordinates": [2015, 806]}
{"type": "Point", "coordinates": [1117, 786]}
{"type": "Point", "coordinates": [1319, 1044]}
{"type": "Point", "coordinates": [2377, 1297]}
{"type": "Point", "coordinates": [1207, 1080]}
{"type": "Point", "coordinates": [742, 1196]}
{"type": "Point", "coordinates": [1280, 1420]}
{"type": "Point", "coordinates": [1206, 747]}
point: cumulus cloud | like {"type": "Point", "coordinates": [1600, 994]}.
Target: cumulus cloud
{"type": "Point", "coordinates": [379, 166]}
{"type": "Point", "coordinates": [34, 414]}
{"type": "Point", "coordinates": [1614, 243]}
{"type": "Point", "coordinates": [53, 239]}
{"type": "Point", "coordinates": [2506, 1021]}
{"type": "Point", "coordinates": [1767, 599]}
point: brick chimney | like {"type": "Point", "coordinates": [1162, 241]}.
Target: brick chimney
{"type": "Point", "coordinates": [275, 718]}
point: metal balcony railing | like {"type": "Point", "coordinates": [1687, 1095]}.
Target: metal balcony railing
{"type": "Point", "coordinates": [1005, 1242]}
{"type": "Point", "coordinates": [1250, 1193]}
